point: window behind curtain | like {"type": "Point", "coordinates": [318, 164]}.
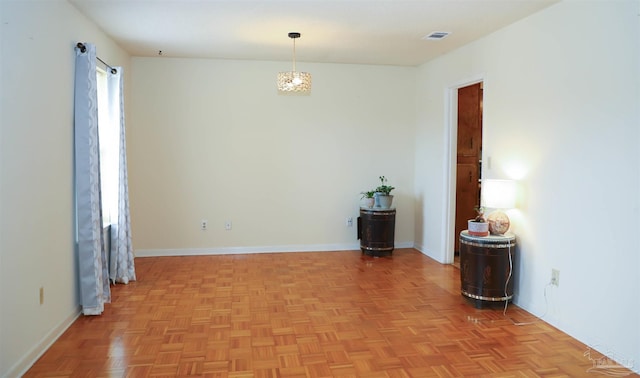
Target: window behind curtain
{"type": "Point", "coordinates": [108, 130]}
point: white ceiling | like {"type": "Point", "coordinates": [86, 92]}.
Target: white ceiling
{"type": "Point", "coordinates": [386, 32]}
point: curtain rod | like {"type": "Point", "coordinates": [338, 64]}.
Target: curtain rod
{"type": "Point", "coordinates": [82, 48]}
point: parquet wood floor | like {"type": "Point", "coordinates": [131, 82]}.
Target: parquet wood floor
{"type": "Point", "coordinates": [325, 314]}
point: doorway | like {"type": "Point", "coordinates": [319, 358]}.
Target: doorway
{"type": "Point", "coordinates": [468, 157]}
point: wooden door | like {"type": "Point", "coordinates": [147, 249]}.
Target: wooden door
{"type": "Point", "coordinates": [468, 156]}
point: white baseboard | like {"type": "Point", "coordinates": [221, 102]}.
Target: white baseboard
{"type": "Point", "coordinates": [426, 252]}
{"type": "Point", "coordinates": [40, 347]}
{"type": "Point", "coordinates": [261, 249]}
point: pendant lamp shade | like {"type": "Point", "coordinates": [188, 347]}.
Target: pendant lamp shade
{"type": "Point", "coordinates": [294, 82]}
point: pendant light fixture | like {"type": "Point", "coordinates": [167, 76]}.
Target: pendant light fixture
{"type": "Point", "coordinates": [293, 82]}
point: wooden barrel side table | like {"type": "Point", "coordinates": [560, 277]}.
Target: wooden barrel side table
{"type": "Point", "coordinates": [376, 230]}
{"type": "Point", "coordinates": [486, 267]}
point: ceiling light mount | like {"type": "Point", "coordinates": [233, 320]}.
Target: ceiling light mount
{"type": "Point", "coordinates": [293, 82]}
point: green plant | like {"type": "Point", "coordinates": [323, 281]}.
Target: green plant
{"type": "Point", "coordinates": [384, 188]}
{"type": "Point", "coordinates": [479, 214]}
{"type": "Point", "coordinates": [368, 194]}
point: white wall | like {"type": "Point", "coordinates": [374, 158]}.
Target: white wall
{"type": "Point", "coordinates": [561, 103]}
{"type": "Point", "coordinates": [212, 139]}
{"type": "Point", "coordinates": [36, 160]}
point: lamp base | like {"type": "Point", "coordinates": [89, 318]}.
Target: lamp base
{"type": "Point", "coordinates": [498, 223]}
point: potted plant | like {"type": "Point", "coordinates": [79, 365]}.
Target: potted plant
{"type": "Point", "coordinates": [479, 225]}
{"type": "Point", "coordinates": [368, 198]}
{"type": "Point", "coordinates": [383, 198]}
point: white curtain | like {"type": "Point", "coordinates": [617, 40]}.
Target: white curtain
{"type": "Point", "coordinates": [121, 264]}
{"type": "Point", "coordinates": [92, 257]}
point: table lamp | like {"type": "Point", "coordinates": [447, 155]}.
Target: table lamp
{"type": "Point", "coordinates": [499, 195]}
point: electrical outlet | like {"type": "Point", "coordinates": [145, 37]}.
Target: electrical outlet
{"type": "Point", "coordinates": [227, 225]}
{"type": "Point", "coordinates": [555, 277]}
{"type": "Point", "coordinates": [41, 295]}
{"type": "Point", "coordinates": [349, 221]}
{"type": "Point", "coordinates": [204, 224]}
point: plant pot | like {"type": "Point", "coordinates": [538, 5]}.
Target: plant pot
{"type": "Point", "coordinates": [382, 201]}
{"type": "Point", "coordinates": [477, 228]}
{"type": "Point", "coordinates": [369, 202]}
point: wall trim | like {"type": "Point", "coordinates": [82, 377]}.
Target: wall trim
{"type": "Point", "coordinates": [25, 363]}
{"type": "Point", "coordinates": [257, 249]}
{"type": "Point", "coordinates": [420, 248]}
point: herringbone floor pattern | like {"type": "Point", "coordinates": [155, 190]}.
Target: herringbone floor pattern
{"type": "Point", "coordinates": [325, 314]}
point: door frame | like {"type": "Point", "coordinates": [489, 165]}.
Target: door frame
{"type": "Point", "coordinates": [450, 159]}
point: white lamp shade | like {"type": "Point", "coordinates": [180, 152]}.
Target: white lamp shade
{"type": "Point", "coordinates": [498, 194]}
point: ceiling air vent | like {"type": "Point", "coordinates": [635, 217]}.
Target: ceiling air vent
{"type": "Point", "coordinates": [436, 35]}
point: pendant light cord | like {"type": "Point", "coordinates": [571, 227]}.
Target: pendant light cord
{"type": "Point", "coordinates": [294, 54]}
